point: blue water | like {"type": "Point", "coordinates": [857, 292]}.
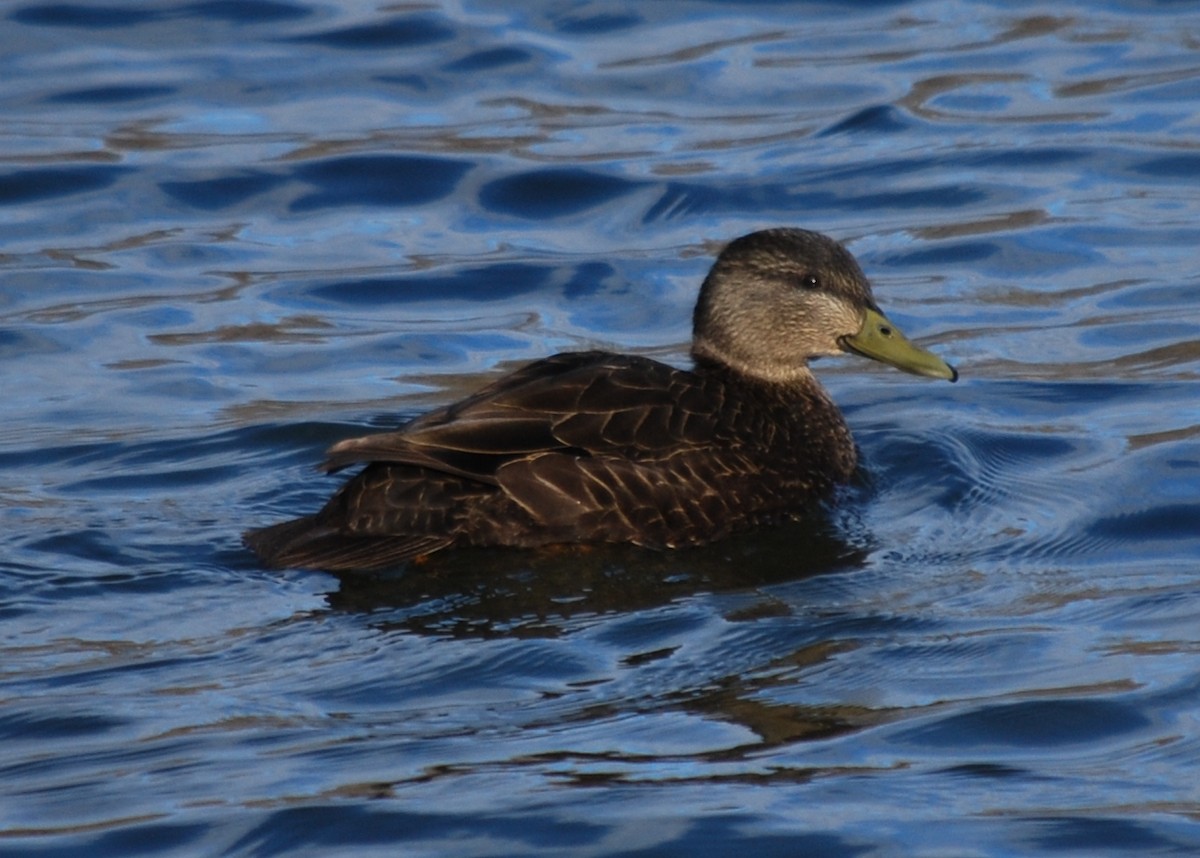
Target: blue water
{"type": "Point", "coordinates": [235, 232]}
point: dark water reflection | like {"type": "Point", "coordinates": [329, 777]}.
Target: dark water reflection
{"type": "Point", "coordinates": [476, 592]}
{"type": "Point", "coordinates": [235, 233]}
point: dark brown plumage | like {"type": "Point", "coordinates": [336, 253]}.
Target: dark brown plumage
{"type": "Point", "coordinates": [600, 447]}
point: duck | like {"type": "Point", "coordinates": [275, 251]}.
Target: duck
{"type": "Point", "coordinates": [598, 447]}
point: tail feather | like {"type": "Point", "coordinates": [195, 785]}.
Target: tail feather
{"type": "Point", "coordinates": [308, 543]}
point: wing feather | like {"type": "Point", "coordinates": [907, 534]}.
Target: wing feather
{"type": "Point", "coordinates": [584, 403]}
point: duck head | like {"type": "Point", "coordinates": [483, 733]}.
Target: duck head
{"type": "Point", "coordinates": [777, 298]}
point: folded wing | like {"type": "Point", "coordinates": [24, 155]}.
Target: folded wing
{"type": "Point", "coordinates": [584, 403]}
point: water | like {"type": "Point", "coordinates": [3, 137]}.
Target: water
{"type": "Point", "coordinates": [234, 233]}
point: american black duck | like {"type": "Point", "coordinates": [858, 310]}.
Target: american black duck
{"type": "Point", "coordinates": [601, 447]}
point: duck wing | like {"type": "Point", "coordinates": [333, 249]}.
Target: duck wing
{"type": "Point", "coordinates": [584, 403]}
{"type": "Point", "coordinates": [590, 445]}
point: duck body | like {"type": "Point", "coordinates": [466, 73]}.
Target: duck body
{"type": "Point", "coordinates": [617, 447]}
{"type": "Point", "coordinates": [601, 447]}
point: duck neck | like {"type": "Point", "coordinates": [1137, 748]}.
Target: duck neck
{"type": "Point", "coordinates": [708, 356]}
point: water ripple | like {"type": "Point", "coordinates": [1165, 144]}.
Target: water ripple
{"type": "Point", "coordinates": [237, 232]}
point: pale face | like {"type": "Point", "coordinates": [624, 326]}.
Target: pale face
{"type": "Point", "coordinates": [775, 299]}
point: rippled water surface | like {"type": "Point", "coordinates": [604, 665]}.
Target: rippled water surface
{"type": "Point", "coordinates": [235, 232]}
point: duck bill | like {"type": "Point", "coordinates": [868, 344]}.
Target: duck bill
{"type": "Point", "coordinates": [880, 340]}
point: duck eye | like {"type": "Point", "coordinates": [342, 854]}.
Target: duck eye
{"type": "Point", "coordinates": [809, 281]}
